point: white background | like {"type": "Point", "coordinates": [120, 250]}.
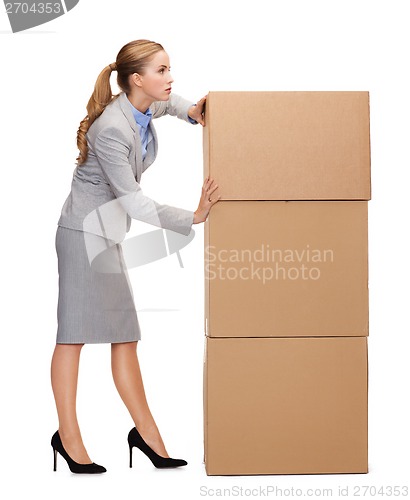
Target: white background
{"type": "Point", "coordinates": [47, 77]}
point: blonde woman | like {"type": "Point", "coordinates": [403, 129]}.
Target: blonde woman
{"type": "Point", "coordinates": [117, 142]}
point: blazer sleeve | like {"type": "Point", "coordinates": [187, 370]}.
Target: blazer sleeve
{"type": "Point", "coordinates": [112, 152]}
{"type": "Point", "coordinates": [175, 106]}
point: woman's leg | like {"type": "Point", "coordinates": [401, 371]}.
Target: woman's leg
{"type": "Point", "coordinates": [128, 381]}
{"type": "Point", "coordinates": [64, 376]}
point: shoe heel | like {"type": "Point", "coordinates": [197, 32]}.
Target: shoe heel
{"type": "Point", "coordinates": [55, 459]}
{"type": "Point", "coordinates": [130, 456]}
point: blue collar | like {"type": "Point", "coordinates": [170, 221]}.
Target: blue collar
{"type": "Point", "coordinates": [142, 119]}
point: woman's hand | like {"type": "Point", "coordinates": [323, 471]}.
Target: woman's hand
{"type": "Point", "coordinates": [195, 111]}
{"type": "Point", "coordinates": [205, 203]}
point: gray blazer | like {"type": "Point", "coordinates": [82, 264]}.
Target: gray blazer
{"type": "Point", "coordinates": [105, 191]}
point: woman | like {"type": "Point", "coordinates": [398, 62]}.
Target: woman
{"type": "Point", "coordinates": [117, 142]}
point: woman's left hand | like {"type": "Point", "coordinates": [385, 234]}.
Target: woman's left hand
{"type": "Point", "coordinates": [195, 111]}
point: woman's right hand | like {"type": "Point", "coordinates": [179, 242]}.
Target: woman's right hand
{"type": "Point", "coordinates": [205, 203]}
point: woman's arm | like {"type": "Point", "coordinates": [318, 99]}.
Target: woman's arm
{"type": "Point", "coordinates": [112, 153]}
{"type": "Point", "coordinates": [179, 107]}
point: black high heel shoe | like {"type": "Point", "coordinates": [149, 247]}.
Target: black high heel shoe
{"type": "Point", "coordinates": [74, 466]}
{"type": "Point", "coordinates": [135, 439]}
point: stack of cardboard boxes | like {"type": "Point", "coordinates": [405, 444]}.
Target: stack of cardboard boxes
{"type": "Point", "coordinates": [286, 283]}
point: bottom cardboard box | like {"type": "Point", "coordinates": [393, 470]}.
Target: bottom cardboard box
{"type": "Point", "coordinates": [285, 405]}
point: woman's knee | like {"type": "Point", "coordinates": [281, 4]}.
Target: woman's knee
{"type": "Point", "coordinates": [69, 347]}
{"type": "Point", "coordinates": [124, 346]}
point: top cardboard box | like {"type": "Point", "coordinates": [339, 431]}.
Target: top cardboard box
{"type": "Point", "coordinates": [288, 145]}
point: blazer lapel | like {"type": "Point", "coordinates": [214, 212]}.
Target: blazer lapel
{"type": "Point", "coordinates": [123, 101]}
{"type": "Point", "coordinates": [152, 147]}
{"type": "Point", "coordinates": [137, 164]}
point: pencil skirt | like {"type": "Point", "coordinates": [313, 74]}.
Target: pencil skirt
{"type": "Point", "coordinates": [95, 297]}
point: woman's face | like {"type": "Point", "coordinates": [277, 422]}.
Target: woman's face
{"type": "Point", "coordinates": [157, 78]}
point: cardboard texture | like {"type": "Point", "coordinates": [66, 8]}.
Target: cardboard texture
{"type": "Point", "coordinates": [280, 269]}
{"type": "Point", "coordinates": [288, 145]}
{"type": "Point", "coordinates": [286, 283]}
{"type": "Point", "coordinates": [285, 405]}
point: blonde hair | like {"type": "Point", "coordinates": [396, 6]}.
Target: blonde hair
{"type": "Point", "coordinates": [132, 58]}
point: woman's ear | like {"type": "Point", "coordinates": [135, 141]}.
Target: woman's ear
{"type": "Point", "coordinates": [136, 79]}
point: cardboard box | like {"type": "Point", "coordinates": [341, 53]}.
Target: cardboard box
{"type": "Point", "coordinates": [285, 406]}
{"type": "Point", "coordinates": [288, 145]}
{"type": "Point", "coordinates": [280, 269]}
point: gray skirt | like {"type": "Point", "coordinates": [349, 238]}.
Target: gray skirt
{"type": "Point", "coordinates": [95, 298]}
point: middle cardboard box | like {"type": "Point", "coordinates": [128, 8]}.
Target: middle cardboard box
{"type": "Point", "coordinates": [286, 269]}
